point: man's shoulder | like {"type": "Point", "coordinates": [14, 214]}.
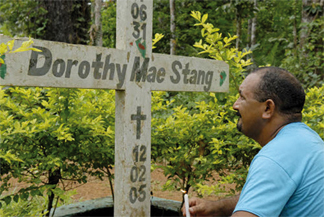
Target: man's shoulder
{"type": "Point", "coordinates": [292, 139]}
{"type": "Point", "coordinates": [298, 151]}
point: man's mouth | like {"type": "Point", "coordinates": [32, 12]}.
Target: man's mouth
{"type": "Point", "coordinates": [238, 114]}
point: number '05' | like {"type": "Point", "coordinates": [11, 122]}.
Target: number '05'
{"type": "Point", "coordinates": [140, 194]}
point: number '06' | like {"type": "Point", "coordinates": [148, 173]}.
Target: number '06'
{"type": "Point", "coordinates": [139, 11]}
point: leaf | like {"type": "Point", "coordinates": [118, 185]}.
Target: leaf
{"type": "Point", "coordinates": [223, 76]}
{"type": "Point", "coordinates": [196, 15]}
{"type": "Point", "coordinates": [35, 193]}
{"type": "Point", "coordinates": [24, 195]}
{"type": "Point", "coordinates": [3, 48]}
{"type": "Point", "coordinates": [204, 18]}
{"type": "Point", "coordinates": [16, 198]}
{"type": "Point", "coordinates": [11, 44]}
{"type": "Point", "coordinates": [25, 47]}
{"type": "Point", "coordinates": [157, 37]}
{"type": "Point", "coordinates": [7, 200]}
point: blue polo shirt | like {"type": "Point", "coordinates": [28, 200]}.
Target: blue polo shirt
{"type": "Point", "coordinates": [286, 178]}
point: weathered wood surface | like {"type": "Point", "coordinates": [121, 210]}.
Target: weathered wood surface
{"type": "Point", "coordinates": [79, 66]}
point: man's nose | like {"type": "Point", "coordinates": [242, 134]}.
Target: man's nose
{"type": "Point", "coordinates": [236, 105]}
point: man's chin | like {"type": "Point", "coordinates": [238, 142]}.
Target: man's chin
{"type": "Point", "coordinates": [239, 126]}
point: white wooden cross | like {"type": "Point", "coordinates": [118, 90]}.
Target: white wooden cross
{"type": "Point", "coordinates": [133, 71]}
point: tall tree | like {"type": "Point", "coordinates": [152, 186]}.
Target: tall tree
{"type": "Point", "coordinates": [68, 21]}
{"type": "Point", "coordinates": [238, 24]}
{"type": "Point", "coordinates": [253, 30]}
{"type": "Point", "coordinates": [295, 24]}
{"type": "Point", "coordinates": [172, 28]}
{"type": "Point", "coordinates": [96, 28]}
{"type": "Point", "coordinates": [254, 26]}
{"type": "Point", "coordinates": [310, 11]}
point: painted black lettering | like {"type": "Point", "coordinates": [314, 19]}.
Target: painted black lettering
{"type": "Point", "coordinates": [97, 65]}
{"type": "Point", "coordinates": [160, 75]}
{"type": "Point", "coordinates": [151, 76]}
{"type": "Point", "coordinates": [142, 171]}
{"type": "Point", "coordinates": [59, 63]}
{"type": "Point", "coordinates": [133, 195]}
{"type": "Point", "coordinates": [185, 72]}
{"type": "Point", "coordinates": [109, 67]}
{"type": "Point", "coordinates": [143, 14]}
{"type": "Point", "coordinates": [84, 69]}
{"type": "Point", "coordinates": [176, 64]}
{"type": "Point", "coordinates": [201, 77]}
{"type": "Point", "coordinates": [33, 70]}
{"type": "Point", "coordinates": [143, 153]}
{"type": "Point", "coordinates": [134, 10]}
{"type": "Point", "coordinates": [70, 63]}
{"type": "Point", "coordinates": [142, 193]}
{"type": "Point", "coordinates": [209, 79]}
{"type": "Point", "coordinates": [136, 33]}
{"type": "Point", "coordinates": [193, 77]}
{"type": "Point", "coordinates": [121, 74]}
{"type": "Point", "coordinates": [134, 174]}
{"type": "Point", "coordinates": [139, 72]}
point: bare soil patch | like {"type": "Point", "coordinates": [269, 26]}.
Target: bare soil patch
{"type": "Point", "coordinates": [96, 188]}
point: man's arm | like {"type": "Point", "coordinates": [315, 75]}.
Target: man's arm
{"type": "Point", "coordinates": [243, 214]}
{"type": "Point", "coordinates": [223, 207]}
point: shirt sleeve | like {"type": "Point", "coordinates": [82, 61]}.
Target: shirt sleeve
{"type": "Point", "coordinates": [267, 189]}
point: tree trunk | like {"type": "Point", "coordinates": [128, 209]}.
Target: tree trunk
{"type": "Point", "coordinates": [53, 179]}
{"type": "Point", "coordinates": [172, 28]}
{"type": "Point", "coordinates": [307, 18]}
{"type": "Point", "coordinates": [238, 31]}
{"type": "Point", "coordinates": [249, 33]}
{"type": "Point", "coordinates": [253, 30]}
{"type": "Point", "coordinates": [254, 27]}
{"type": "Point", "coordinates": [67, 21]}
{"type": "Point", "coordinates": [238, 25]}
{"type": "Point", "coordinates": [295, 25]}
{"type": "Point", "coordinates": [96, 28]}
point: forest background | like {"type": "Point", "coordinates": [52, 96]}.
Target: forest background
{"type": "Point", "coordinates": [52, 136]}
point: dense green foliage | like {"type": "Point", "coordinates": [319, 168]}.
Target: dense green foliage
{"type": "Point", "coordinates": [22, 18]}
{"type": "Point", "coordinates": [199, 140]}
{"type": "Point", "coordinates": [59, 134]}
{"type": "Point", "coordinates": [109, 25]}
{"type": "Point", "coordinates": [196, 144]}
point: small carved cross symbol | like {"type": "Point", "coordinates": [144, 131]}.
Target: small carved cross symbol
{"type": "Point", "coordinates": [138, 117]}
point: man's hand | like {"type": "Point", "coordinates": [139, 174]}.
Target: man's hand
{"type": "Point", "coordinates": [200, 207]}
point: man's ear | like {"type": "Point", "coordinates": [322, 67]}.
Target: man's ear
{"type": "Point", "coordinates": [269, 109]}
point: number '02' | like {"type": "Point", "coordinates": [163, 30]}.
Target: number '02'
{"type": "Point", "coordinates": [138, 173]}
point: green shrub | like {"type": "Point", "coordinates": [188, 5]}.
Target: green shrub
{"type": "Point", "coordinates": [59, 134]}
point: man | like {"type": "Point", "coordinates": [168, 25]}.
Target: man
{"type": "Point", "coordinates": [286, 178]}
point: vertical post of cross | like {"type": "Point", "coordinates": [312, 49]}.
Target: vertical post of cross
{"type": "Point", "coordinates": [133, 111]}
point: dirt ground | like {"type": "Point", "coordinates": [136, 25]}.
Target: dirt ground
{"type": "Point", "coordinates": [95, 188]}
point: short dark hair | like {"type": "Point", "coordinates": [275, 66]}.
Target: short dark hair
{"type": "Point", "coordinates": [283, 88]}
